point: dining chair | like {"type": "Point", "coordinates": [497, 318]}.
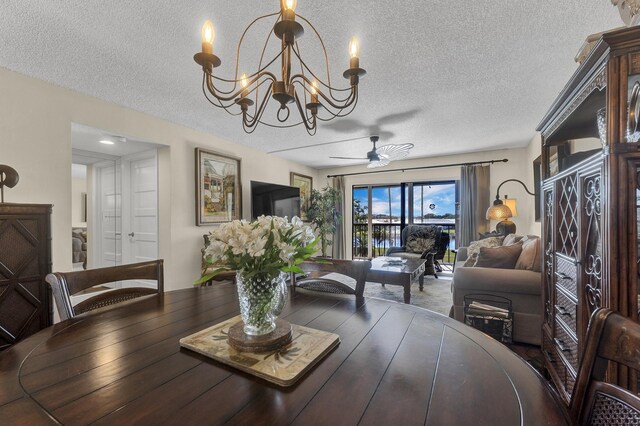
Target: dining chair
{"type": "Point", "coordinates": [66, 284]}
{"type": "Point", "coordinates": [610, 337]}
{"type": "Point", "coordinates": [334, 276]}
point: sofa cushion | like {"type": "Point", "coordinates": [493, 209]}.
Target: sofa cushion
{"type": "Point", "coordinates": [416, 244]}
{"type": "Point", "coordinates": [511, 239]}
{"type": "Point", "coordinates": [492, 280]}
{"type": "Point", "coordinates": [474, 248]}
{"type": "Point", "coordinates": [503, 257]}
{"type": "Point", "coordinates": [530, 259]}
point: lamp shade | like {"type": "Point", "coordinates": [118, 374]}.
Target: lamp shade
{"type": "Point", "coordinates": [498, 211]}
{"type": "Point", "coordinates": [511, 203]}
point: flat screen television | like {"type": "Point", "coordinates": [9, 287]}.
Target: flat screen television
{"type": "Point", "coordinates": [270, 199]}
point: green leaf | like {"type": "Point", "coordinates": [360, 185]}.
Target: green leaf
{"type": "Point", "coordinates": [294, 269]}
{"type": "Point", "coordinates": [207, 277]}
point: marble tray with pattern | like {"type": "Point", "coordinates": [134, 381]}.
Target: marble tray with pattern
{"type": "Point", "coordinates": [283, 367]}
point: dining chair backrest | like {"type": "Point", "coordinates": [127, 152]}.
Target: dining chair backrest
{"type": "Point", "coordinates": [335, 276]}
{"type": "Point", "coordinates": [610, 338]}
{"type": "Point", "coordinates": [66, 284]}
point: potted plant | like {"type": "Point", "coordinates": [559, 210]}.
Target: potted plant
{"type": "Point", "coordinates": [324, 214]}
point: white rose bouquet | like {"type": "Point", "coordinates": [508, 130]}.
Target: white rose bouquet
{"type": "Point", "coordinates": [263, 248]}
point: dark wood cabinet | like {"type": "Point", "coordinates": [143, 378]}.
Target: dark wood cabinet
{"type": "Point", "coordinates": [25, 260]}
{"type": "Point", "coordinates": [590, 159]}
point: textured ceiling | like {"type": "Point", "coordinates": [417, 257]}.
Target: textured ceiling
{"type": "Point", "coordinates": [448, 76]}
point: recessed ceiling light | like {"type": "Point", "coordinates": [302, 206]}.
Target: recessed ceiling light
{"type": "Point", "coordinates": [106, 142]}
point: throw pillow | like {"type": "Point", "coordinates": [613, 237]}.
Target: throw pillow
{"type": "Point", "coordinates": [511, 239]}
{"type": "Point", "coordinates": [419, 245]}
{"type": "Point", "coordinates": [530, 259]}
{"type": "Point", "coordinates": [503, 257]}
{"type": "Point", "coordinates": [474, 248]}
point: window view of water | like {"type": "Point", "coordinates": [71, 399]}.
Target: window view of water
{"type": "Point", "coordinates": [430, 203]}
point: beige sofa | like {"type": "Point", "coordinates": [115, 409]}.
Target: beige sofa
{"type": "Point", "coordinates": [522, 287]}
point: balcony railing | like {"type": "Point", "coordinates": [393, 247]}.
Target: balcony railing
{"type": "Point", "coordinates": [385, 235]}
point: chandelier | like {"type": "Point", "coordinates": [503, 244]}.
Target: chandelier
{"type": "Point", "coordinates": [248, 95]}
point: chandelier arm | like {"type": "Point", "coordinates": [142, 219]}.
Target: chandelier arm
{"type": "Point", "coordinates": [244, 33]}
{"type": "Point", "coordinates": [339, 108]}
{"type": "Point", "coordinates": [255, 119]}
{"type": "Point", "coordinates": [305, 119]}
{"type": "Point", "coordinates": [218, 94]}
{"type": "Point", "coordinates": [280, 126]}
{"type": "Point", "coordinates": [326, 57]}
{"type": "Point", "coordinates": [217, 104]}
{"type": "Point", "coordinates": [327, 85]}
{"type": "Point", "coordinates": [340, 113]}
{"type": "Point", "coordinates": [264, 49]}
{"type": "Point", "coordinates": [341, 104]}
{"type": "Point", "coordinates": [334, 102]}
{"type": "Point", "coordinates": [212, 89]}
{"type": "Point", "coordinates": [304, 89]}
{"type": "Point", "coordinates": [261, 70]}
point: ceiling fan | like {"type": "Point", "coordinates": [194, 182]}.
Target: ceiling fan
{"type": "Point", "coordinates": [381, 156]}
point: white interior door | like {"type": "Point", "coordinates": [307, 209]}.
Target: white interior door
{"type": "Point", "coordinates": [140, 210]}
{"type": "Point", "coordinates": [108, 196]}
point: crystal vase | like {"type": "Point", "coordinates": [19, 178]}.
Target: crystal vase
{"type": "Point", "coordinates": [261, 300]}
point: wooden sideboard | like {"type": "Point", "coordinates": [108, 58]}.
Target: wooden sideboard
{"type": "Point", "coordinates": [590, 204]}
{"type": "Point", "coordinates": [25, 260]}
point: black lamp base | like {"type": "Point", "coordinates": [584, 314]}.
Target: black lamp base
{"type": "Point", "coordinates": [506, 227]}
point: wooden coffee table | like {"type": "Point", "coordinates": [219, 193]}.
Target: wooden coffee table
{"type": "Point", "coordinates": [386, 273]}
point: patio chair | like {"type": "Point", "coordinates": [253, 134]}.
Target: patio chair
{"type": "Point", "coordinates": [427, 240]}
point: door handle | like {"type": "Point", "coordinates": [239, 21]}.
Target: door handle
{"type": "Point", "coordinates": [131, 234]}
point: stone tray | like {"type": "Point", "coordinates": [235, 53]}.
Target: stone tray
{"type": "Point", "coordinates": [283, 367]}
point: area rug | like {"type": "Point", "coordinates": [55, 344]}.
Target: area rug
{"type": "Point", "coordinates": [436, 295]}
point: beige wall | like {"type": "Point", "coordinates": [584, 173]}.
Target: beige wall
{"type": "Point", "coordinates": [35, 139]}
{"type": "Point", "coordinates": [519, 167]}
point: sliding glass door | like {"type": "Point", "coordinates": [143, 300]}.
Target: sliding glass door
{"type": "Point", "coordinates": [381, 212]}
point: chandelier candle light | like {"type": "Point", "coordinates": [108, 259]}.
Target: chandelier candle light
{"type": "Point", "coordinates": [305, 90]}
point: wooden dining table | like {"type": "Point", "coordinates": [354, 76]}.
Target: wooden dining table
{"type": "Point", "coordinates": [395, 364]}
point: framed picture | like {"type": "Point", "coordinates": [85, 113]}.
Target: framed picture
{"type": "Point", "coordinates": [305, 183]}
{"type": "Point", "coordinates": [218, 190]}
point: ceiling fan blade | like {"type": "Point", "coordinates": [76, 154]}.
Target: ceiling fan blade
{"type": "Point", "coordinates": [381, 163]}
{"type": "Point", "coordinates": [349, 158]}
{"type": "Point", "coordinates": [394, 152]}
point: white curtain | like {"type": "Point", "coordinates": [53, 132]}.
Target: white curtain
{"type": "Point", "coordinates": [338, 249]}
{"type": "Point", "coordinates": [475, 198]}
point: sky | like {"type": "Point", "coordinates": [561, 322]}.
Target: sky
{"type": "Point", "coordinates": [442, 197]}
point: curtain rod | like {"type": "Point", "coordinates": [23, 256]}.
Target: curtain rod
{"type": "Point", "coordinates": [473, 163]}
